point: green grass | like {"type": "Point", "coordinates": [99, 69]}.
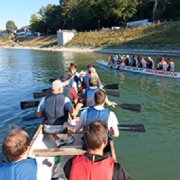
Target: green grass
{"type": "Point", "coordinates": [156, 34]}
{"type": "Point", "coordinates": [159, 34]}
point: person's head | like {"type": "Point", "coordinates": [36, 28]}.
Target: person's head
{"type": "Point", "coordinates": [96, 134]}
{"type": "Point", "coordinates": [16, 144]}
{"type": "Point", "coordinates": [100, 97]}
{"type": "Point", "coordinates": [93, 81]}
{"type": "Point", "coordinates": [64, 76]}
{"type": "Point", "coordinates": [72, 68]}
{"type": "Point", "coordinates": [57, 86]}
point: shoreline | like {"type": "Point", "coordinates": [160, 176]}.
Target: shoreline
{"type": "Point", "coordinates": [112, 50]}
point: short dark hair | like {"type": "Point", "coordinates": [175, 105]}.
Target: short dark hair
{"type": "Point", "coordinates": [15, 144]}
{"type": "Point", "coordinates": [95, 134]}
{"type": "Point", "coordinates": [99, 97]}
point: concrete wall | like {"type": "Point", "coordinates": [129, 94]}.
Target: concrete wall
{"type": "Point", "coordinates": [64, 36]}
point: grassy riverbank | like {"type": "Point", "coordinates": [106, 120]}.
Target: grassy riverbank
{"type": "Point", "coordinates": [163, 36]}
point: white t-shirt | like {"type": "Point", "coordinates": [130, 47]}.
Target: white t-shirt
{"type": "Point", "coordinates": [112, 121]}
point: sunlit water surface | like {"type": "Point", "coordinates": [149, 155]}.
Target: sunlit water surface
{"type": "Point", "coordinates": [152, 155]}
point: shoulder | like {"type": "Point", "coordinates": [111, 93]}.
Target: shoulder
{"type": "Point", "coordinates": [67, 168]}
{"type": "Point", "coordinates": [120, 173]}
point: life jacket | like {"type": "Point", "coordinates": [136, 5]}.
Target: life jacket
{"type": "Point", "coordinates": [171, 66]}
{"type": "Point", "coordinates": [67, 91]}
{"type": "Point", "coordinates": [86, 81]}
{"type": "Point", "coordinates": [89, 96]}
{"type": "Point", "coordinates": [93, 114]}
{"type": "Point", "coordinates": [82, 168]}
{"type": "Point", "coordinates": [22, 170]}
{"type": "Point", "coordinates": [149, 64]}
{"type": "Point", "coordinates": [54, 106]}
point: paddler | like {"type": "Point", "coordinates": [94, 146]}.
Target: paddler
{"type": "Point", "coordinates": [56, 108]}
{"type": "Point", "coordinates": [97, 112]}
{"type": "Point", "coordinates": [171, 65]}
{"type": "Point", "coordinates": [19, 167]}
{"type": "Point", "coordinates": [88, 98]}
{"type": "Point", "coordinates": [95, 164]}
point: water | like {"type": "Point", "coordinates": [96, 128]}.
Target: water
{"type": "Point", "coordinates": [151, 155]}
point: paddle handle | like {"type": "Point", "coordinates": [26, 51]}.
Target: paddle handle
{"type": "Point", "coordinates": [132, 107]}
{"type": "Point", "coordinates": [132, 127]}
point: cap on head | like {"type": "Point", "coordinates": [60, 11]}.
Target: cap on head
{"type": "Point", "coordinates": [64, 76]}
{"type": "Point", "coordinates": [56, 85]}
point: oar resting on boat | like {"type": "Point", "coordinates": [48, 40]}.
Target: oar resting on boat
{"type": "Point", "coordinates": [45, 92]}
{"type": "Point", "coordinates": [108, 86]}
{"type": "Point", "coordinates": [59, 129]}
{"type": "Point", "coordinates": [131, 107]}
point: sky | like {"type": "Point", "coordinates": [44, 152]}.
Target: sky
{"type": "Point", "coordinates": [20, 11]}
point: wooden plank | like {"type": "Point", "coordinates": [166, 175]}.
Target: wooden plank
{"type": "Point", "coordinates": [113, 150]}
{"type": "Point", "coordinates": [38, 132]}
{"type": "Point", "coordinates": [57, 151]}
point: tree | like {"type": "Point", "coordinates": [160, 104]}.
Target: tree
{"type": "Point", "coordinates": [10, 26]}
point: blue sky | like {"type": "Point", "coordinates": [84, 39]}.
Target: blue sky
{"type": "Point", "coordinates": [20, 11]}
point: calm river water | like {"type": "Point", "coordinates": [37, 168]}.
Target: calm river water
{"type": "Point", "coordinates": [152, 155]}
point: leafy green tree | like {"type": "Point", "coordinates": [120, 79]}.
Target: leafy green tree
{"type": "Point", "coordinates": [10, 26]}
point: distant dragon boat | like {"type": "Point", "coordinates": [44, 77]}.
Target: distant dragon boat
{"type": "Point", "coordinates": [175, 74]}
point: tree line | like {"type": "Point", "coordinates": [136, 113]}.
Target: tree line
{"type": "Point", "coordinates": [86, 15]}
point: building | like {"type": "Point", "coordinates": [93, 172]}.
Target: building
{"type": "Point", "coordinates": [65, 36]}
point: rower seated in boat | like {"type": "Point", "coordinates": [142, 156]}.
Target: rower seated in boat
{"type": "Point", "coordinates": [19, 166]}
{"type": "Point", "coordinates": [171, 65]}
{"type": "Point", "coordinates": [56, 108]}
{"type": "Point", "coordinates": [97, 112]}
{"type": "Point", "coordinates": [95, 164]}
{"type": "Point", "coordinates": [88, 96]}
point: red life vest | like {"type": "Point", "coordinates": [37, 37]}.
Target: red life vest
{"type": "Point", "coordinates": [84, 169]}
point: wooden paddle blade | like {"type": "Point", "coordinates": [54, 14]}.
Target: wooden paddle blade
{"type": "Point", "coordinates": [28, 104]}
{"type": "Point", "coordinates": [132, 107]}
{"type": "Point", "coordinates": [113, 93]}
{"type": "Point", "coordinates": [111, 86]}
{"type": "Point", "coordinates": [132, 127]}
{"type": "Point", "coordinates": [40, 94]}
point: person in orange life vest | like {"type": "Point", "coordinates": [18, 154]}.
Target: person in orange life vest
{"type": "Point", "coordinates": [97, 112]}
{"type": "Point", "coordinates": [94, 164]}
{"type": "Point", "coordinates": [171, 65]}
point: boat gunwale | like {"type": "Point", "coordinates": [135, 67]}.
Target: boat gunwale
{"type": "Point", "coordinates": [171, 74]}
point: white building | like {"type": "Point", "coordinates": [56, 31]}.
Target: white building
{"type": "Point", "coordinates": [143, 22]}
{"type": "Point", "coordinates": [65, 36]}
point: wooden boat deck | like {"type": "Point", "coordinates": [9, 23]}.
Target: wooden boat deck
{"type": "Point", "coordinates": [43, 148]}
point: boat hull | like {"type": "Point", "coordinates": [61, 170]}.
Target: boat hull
{"type": "Point", "coordinates": [140, 70]}
{"type": "Point", "coordinates": [43, 148]}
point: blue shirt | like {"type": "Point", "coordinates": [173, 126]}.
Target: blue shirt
{"type": "Point", "coordinates": [22, 170]}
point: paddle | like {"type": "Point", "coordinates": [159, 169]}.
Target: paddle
{"type": "Point", "coordinates": [132, 107]}
{"type": "Point", "coordinates": [60, 129]}
{"type": "Point", "coordinates": [108, 86]}
{"type": "Point", "coordinates": [46, 92]}
{"type": "Point", "coordinates": [29, 104]}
